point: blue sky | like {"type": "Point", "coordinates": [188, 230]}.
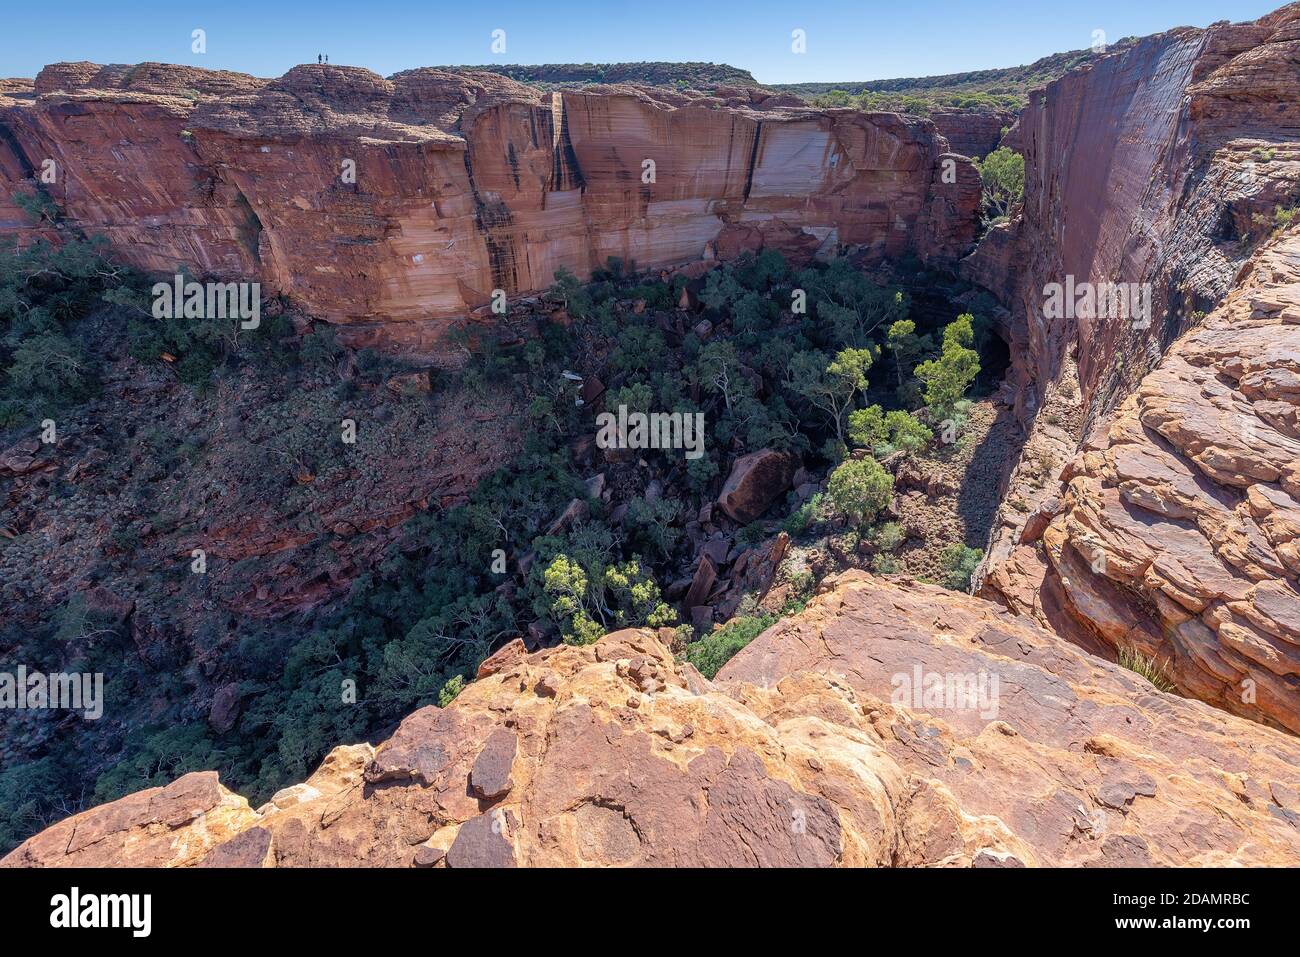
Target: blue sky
{"type": "Point", "coordinates": [859, 40]}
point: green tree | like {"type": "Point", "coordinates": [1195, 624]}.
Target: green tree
{"type": "Point", "coordinates": [447, 694]}
{"type": "Point", "coordinates": [720, 289]}
{"type": "Point", "coordinates": [764, 271]}
{"type": "Point", "coordinates": [947, 378]}
{"type": "Point", "coordinates": [37, 206]}
{"type": "Point", "coordinates": [653, 523]}
{"type": "Point", "coordinates": [860, 489]}
{"type": "Point", "coordinates": [567, 584]}
{"type": "Point", "coordinates": [50, 367]}
{"type": "Point", "coordinates": [1002, 176]}
{"type": "Point", "coordinates": [588, 601]}
{"type": "Point", "coordinates": [830, 387]}
{"type": "Point", "coordinates": [641, 348]}
{"type": "Point", "coordinates": [883, 432]}
{"type": "Point", "coordinates": [715, 649]}
{"type": "Point", "coordinates": [906, 347]}
{"type": "Point", "coordinates": [571, 293]}
{"type": "Point", "coordinates": [637, 599]}
{"type": "Point", "coordinates": [959, 564]}
{"type": "Point", "coordinates": [718, 370]}
{"type": "Point", "coordinates": [751, 317]}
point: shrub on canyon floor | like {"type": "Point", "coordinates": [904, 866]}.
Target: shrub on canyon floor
{"type": "Point", "coordinates": [715, 649]}
{"type": "Point", "coordinates": [888, 537]}
{"type": "Point", "coordinates": [906, 349]}
{"type": "Point", "coordinates": [860, 489]}
{"type": "Point", "coordinates": [51, 367]}
{"type": "Point", "coordinates": [44, 292]}
{"type": "Point", "coordinates": [887, 432]}
{"type": "Point", "coordinates": [959, 564]}
{"type": "Point", "coordinates": [948, 377]}
{"type": "Point", "coordinates": [652, 525]}
{"type": "Point", "coordinates": [803, 517]}
{"type": "Point", "coordinates": [831, 386]}
{"type": "Point", "coordinates": [586, 602]}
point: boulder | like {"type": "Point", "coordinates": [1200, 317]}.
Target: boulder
{"type": "Point", "coordinates": [224, 712]}
{"type": "Point", "coordinates": [490, 778]}
{"type": "Point", "coordinates": [706, 573]}
{"type": "Point", "coordinates": [756, 481]}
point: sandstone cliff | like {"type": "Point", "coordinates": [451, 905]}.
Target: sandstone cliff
{"type": "Point", "coordinates": [464, 182]}
{"type": "Point", "coordinates": [1176, 530]}
{"type": "Point", "coordinates": [1147, 165]}
{"type": "Point", "coordinates": [614, 754]}
{"type": "Point", "coordinates": [1164, 164]}
{"type": "Point", "coordinates": [973, 134]}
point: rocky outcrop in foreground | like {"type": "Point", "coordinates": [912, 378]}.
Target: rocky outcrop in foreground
{"type": "Point", "coordinates": [807, 750]}
{"type": "Point", "coordinates": [410, 199]}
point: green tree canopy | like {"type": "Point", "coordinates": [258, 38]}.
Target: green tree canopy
{"type": "Point", "coordinates": [1002, 176]}
{"type": "Point", "coordinates": [860, 489]}
{"type": "Point", "coordinates": [947, 378]}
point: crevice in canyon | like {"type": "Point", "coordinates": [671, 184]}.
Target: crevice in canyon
{"type": "Point", "coordinates": [566, 174]}
{"type": "Point", "coordinates": [25, 167]}
{"type": "Point", "coordinates": [753, 160]}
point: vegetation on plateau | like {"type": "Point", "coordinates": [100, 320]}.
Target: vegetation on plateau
{"type": "Point", "coordinates": [698, 76]}
{"type": "Point", "coordinates": [977, 91]}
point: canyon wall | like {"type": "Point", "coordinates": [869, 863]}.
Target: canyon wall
{"type": "Point", "coordinates": [1146, 166]}
{"type": "Point", "coordinates": [1177, 529]}
{"type": "Point", "coordinates": [973, 134]}
{"type": "Point", "coordinates": [1166, 164]}
{"type": "Point", "coordinates": [464, 183]}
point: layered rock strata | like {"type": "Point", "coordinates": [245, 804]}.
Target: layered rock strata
{"type": "Point", "coordinates": [1175, 532]}
{"type": "Point", "coordinates": [1162, 167]}
{"type": "Point", "coordinates": [410, 199]}
{"type": "Point", "coordinates": [1153, 165]}
{"type": "Point", "coordinates": [973, 134]}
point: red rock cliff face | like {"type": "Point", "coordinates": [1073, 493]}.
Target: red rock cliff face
{"type": "Point", "coordinates": [1169, 533]}
{"type": "Point", "coordinates": [464, 183]}
{"type": "Point", "coordinates": [973, 134]}
{"type": "Point", "coordinates": [1149, 165]}
{"type": "Point", "coordinates": [1176, 531]}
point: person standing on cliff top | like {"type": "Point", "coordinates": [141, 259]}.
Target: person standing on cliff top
{"type": "Point", "coordinates": [320, 57]}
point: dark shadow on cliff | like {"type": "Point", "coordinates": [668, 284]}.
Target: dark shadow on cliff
{"type": "Point", "coordinates": [986, 477]}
